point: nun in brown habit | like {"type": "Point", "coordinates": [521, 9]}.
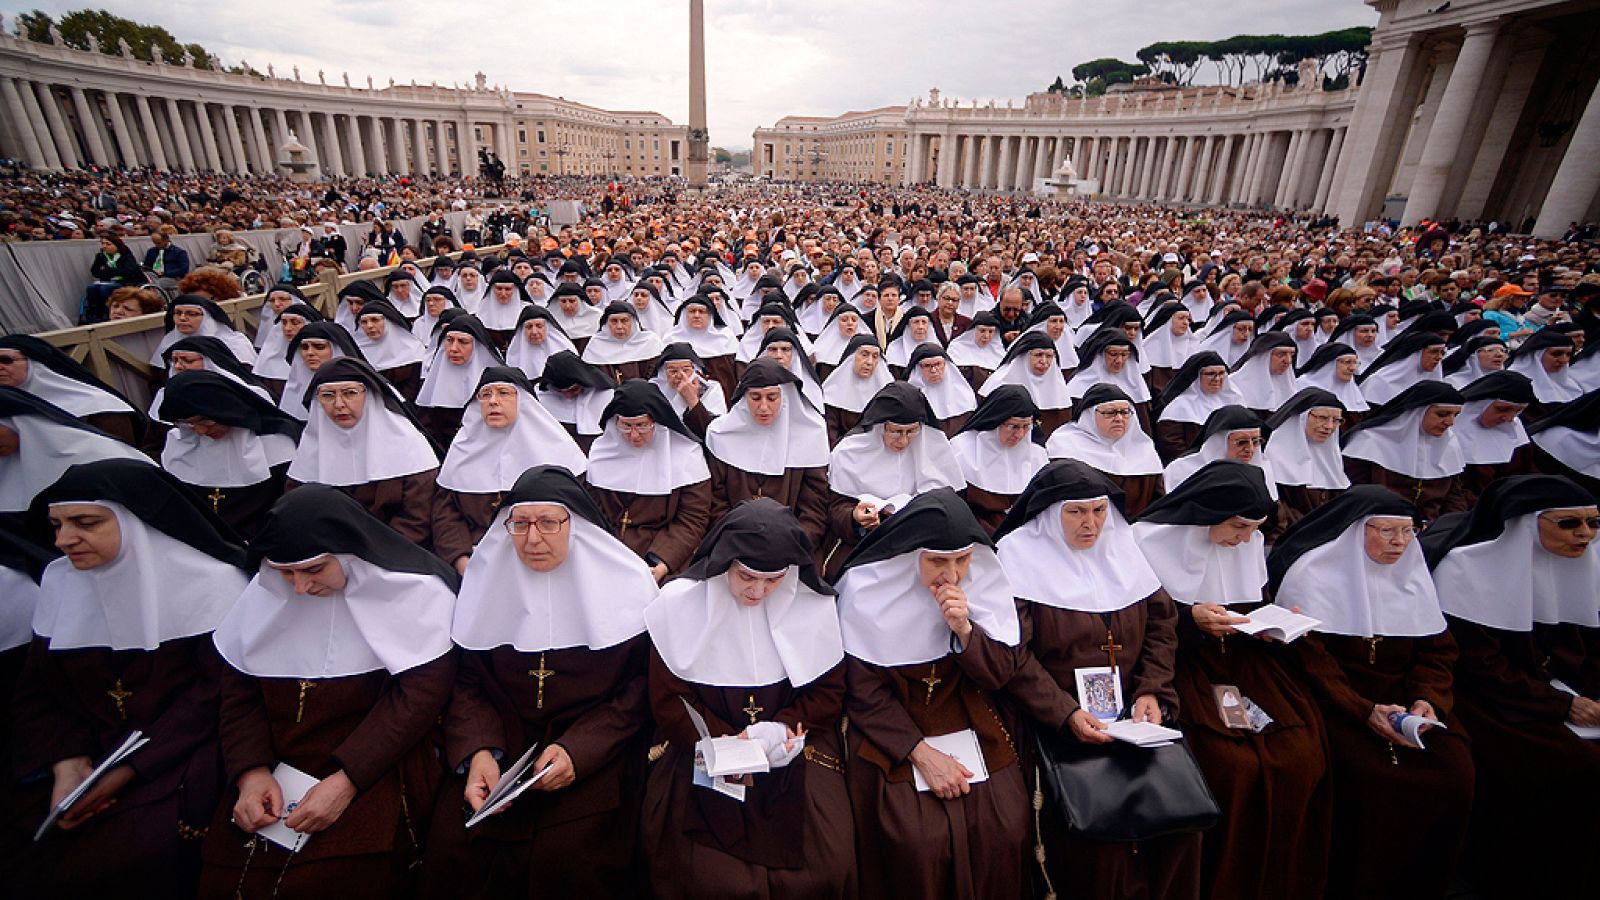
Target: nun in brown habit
{"type": "Point", "coordinates": [1106, 433]}
{"type": "Point", "coordinates": [998, 453]}
{"type": "Point", "coordinates": [1410, 447]}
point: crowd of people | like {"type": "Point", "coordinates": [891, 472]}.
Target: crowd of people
{"type": "Point", "coordinates": [826, 541]}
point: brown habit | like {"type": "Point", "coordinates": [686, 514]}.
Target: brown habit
{"type": "Point", "coordinates": [404, 503]}
{"type": "Point", "coordinates": [460, 521]}
{"type": "Point", "coordinates": [1433, 497]}
{"type": "Point", "coordinates": [805, 491]}
{"type": "Point", "coordinates": [667, 525]}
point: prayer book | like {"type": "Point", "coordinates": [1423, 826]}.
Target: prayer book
{"type": "Point", "coordinates": [1143, 734]}
{"type": "Point", "coordinates": [513, 783]}
{"type": "Point", "coordinates": [1276, 621]}
{"type": "Point", "coordinates": [129, 746]}
{"type": "Point", "coordinates": [963, 745]}
{"type": "Point", "coordinates": [719, 762]}
{"type": "Point", "coordinates": [1587, 732]}
{"type": "Point", "coordinates": [886, 506]}
{"type": "Point", "coordinates": [294, 784]}
{"type": "Point", "coordinates": [1411, 727]}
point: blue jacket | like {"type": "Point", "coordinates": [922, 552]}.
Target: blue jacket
{"type": "Point", "coordinates": [174, 261]}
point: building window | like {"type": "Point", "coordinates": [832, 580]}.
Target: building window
{"type": "Point", "coordinates": [522, 136]}
{"type": "Point", "coordinates": [541, 135]}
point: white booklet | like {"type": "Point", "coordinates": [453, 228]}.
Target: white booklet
{"type": "Point", "coordinates": [1587, 732]}
{"type": "Point", "coordinates": [1411, 727]}
{"type": "Point", "coordinates": [963, 745]}
{"type": "Point", "coordinates": [513, 783]}
{"type": "Point", "coordinates": [294, 784]}
{"type": "Point", "coordinates": [127, 748]}
{"type": "Point", "coordinates": [1277, 621]}
{"type": "Point", "coordinates": [1143, 734]}
{"type": "Point", "coordinates": [719, 761]}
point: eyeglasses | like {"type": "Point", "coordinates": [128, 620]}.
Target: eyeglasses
{"type": "Point", "coordinates": [636, 428]}
{"type": "Point", "coordinates": [908, 431]}
{"type": "Point", "coordinates": [1394, 533]}
{"type": "Point", "coordinates": [543, 524]}
{"type": "Point", "coordinates": [1115, 413]}
{"type": "Point", "coordinates": [10, 360]}
{"type": "Point", "coordinates": [1572, 523]}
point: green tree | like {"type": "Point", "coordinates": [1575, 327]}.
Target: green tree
{"type": "Point", "coordinates": [77, 26]}
{"type": "Point", "coordinates": [1057, 87]}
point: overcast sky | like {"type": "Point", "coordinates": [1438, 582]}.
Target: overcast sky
{"type": "Point", "coordinates": [764, 59]}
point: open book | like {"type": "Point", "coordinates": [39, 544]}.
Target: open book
{"type": "Point", "coordinates": [719, 761]}
{"type": "Point", "coordinates": [129, 746]}
{"type": "Point", "coordinates": [1587, 732]}
{"type": "Point", "coordinates": [1411, 727]}
{"type": "Point", "coordinates": [1276, 621]}
{"type": "Point", "coordinates": [513, 782]}
{"type": "Point", "coordinates": [1143, 734]}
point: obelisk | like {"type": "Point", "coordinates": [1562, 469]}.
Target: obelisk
{"type": "Point", "coordinates": [699, 137]}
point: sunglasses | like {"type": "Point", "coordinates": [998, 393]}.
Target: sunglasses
{"type": "Point", "coordinates": [1571, 523]}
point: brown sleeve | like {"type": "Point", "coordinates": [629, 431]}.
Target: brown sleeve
{"type": "Point", "coordinates": [190, 719]}
{"type": "Point", "coordinates": [989, 663]}
{"type": "Point", "coordinates": [415, 520]}
{"type": "Point", "coordinates": [818, 704]}
{"type": "Point", "coordinates": [1484, 669]}
{"type": "Point", "coordinates": [1432, 673]}
{"type": "Point", "coordinates": [1154, 673]}
{"type": "Point", "coordinates": [606, 728]}
{"type": "Point", "coordinates": [697, 419]}
{"type": "Point", "coordinates": [877, 713]}
{"type": "Point", "coordinates": [245, 730]}
{"type": "Point", "coordinates": [452, 539]}
{"type": "Point", "coordinates": [812, 506]}
{"type": "Point", "coordinates": [1574, 656]}
{"type": "Point", "coordinates": [1033, 688]}
{"type": "Point", "coordinates": [1459, 499]}
{"type": "Point", "coordinates": [1169, 439]}
{"type": "Point", "coordinates": [1361, 471]}
{"type": "Point", "coordinates": [1327, 678]}
{"type": "Point", "coordinates": [676, 543]}
{"type": "Point", "coordinates": [719, 487]}
{"type": "Point", "coordinates": [842, 517]}
{"type": "Point", "coordinates": [410, 704]}
{"type": "Point", "coordinates": [46, 724]}
{"type": "Point", "coordinates": [471, 720]}
{"type": "Point", "coordinates": [667, 695]}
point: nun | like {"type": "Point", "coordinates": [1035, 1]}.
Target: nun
{"type": "Point", "coordinates": [649, 306]}
{"type": "Point", "coordinates": [504, 431]}
{"type": "Point", "coordinates": [1519, 581]}
{"type": "Point", "coordinates": [22, 563]}
{"type": "Point", "coordinates": [1306, 463]}
{"type": "Point", "coordinates": [1410, 447]}
{"type": "Point", "coordinates": [339, 664]}
{"type": "Point", "coordinates": [469, 285]}
{"type": "Point", "coordinates": [579, 318]}
{"type": "Point", "coordinates": [385, 340]}
{"type": "Point", "coordinates": [211, 355]}
{"type": "Point", "coordinates": [648, 475]}
{"type": "Point", "coordinates": [1049, 320]}
{"type": "Point", "coordinates": [272, 362]}
{"type": "Point", "coordinates": [1087, 600]}
{"type": "Point", "coordinates": [550, 620]}
{"type": "Point", "coordinates": [39, 442]}
{"type": "Point", "coordinates": [122, 643]}
{"type": "Point", "coordinates": [846, 392]}
{"type": "Point", "coordinates": [949, 395]}
{"type": "Point", "coordinates": [463, 350]}
{"type": "Point", "coordinates": [575, 393]}
{"type": "Point", "coordinates": [1333, 368]}
{"type": "Point", "coordinates": [1229, 337]}
{"type": "Point", "coordinates": [1232, 432]}
{"type": "Point", "coordinates": [1490, 431]}
{"type": "Point", "coordinates": [1407, 360]}
{"type": "Point", "coordinates": [1105, 434]}
{"type": "Point", "coordinates": [362, 439]}
{"type": "Point", "coordinates": [1360, 331]}
{"type": "Point", "coordinates": [699, 323]}
{"type": "Point", "coordinates": [931, 636]}
{"type": "Point", "coordinates": [1264, 375]}
{"type": "Point", "coordinates": [435, 301]}
{"type": "Point", "coordinates": [1200, 387]}
{"type": "Point", "coordinates": [914, 330]}
{"type": "Point", "coordinates": [352, 299]}
{"type": "Point", "coordinates": [789, 350]}
{"type": "Point", "coordinates": [502, 307]}
{"type": "Point", "coordinates": [998, 454]}
{"type": "Point", "coordinates": [769, 317]}
{"type": "Point", "coordinates": [1268, 769]}
{"type": "Point", "coordinates": [1113, 360]}
{"type": "Point", "coordinates": [196, 314]}
{"type": "Point", "coordinates": [229, 445]}
{"type": "Point", "coordinates": [748, 638]}
{"type": "Point", "coordinates": [829, 346]}
{"type": "Point", "coordinates": [1031, 363]}
{"type": "Point", "coordinates": [1546, 359]}
{"type": "Point", "coordinates": [623, 348]}
{"type": "Point", "coordinates": [403, 291]}
{"type": "Point", "coordinates": [1567, 442]}
{"type": "Point", "coordinates": [895, 451]}
{"type": "Point", "coordinates": [1380, 651]}
{"type": "Point", "coordinates": [681, 378]}
{"type": "Point", "coordinates": [537, 337]}
{"type": "Point", "coordinates": [1168, 342]}
{"type": "Point", "coordinates": [279, 297]}
{"type": "Point", "coordinates": [313, 346]}
{"type": "Point", "coordinates": [772, 443]}
{"type": "Point", "coordinates": [1301, 326]}
{"type": "Point", "coordinates": [35, 367]}
{"type": "Point", "coordinates": [978, 351]}
{"type": "Point", "coordinates": [1475, 359]}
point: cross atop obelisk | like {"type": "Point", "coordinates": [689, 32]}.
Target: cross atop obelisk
{"type": "Point", "coordinates": [699, 137]}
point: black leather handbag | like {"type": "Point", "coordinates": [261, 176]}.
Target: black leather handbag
{"type": "Point", "coordinates": [1120, 792]}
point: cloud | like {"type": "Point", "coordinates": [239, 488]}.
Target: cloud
{"type": "Point", "coordinates": [764, 58]}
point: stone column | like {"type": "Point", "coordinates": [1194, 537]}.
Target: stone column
{"type": "Point", "coordinates": [335, 162]}
{"type": "Point", "coordinates": [1450, 123]}
{"type": "Point", "coordinates": [1383, 111]}
{"type": "Point", "coordinates": [908, 175]}
{"type": "Point", "coordinates": [1572, 191]}
{"type": "Point", "coordinates": [208, 135]}
{"type": "Point", "coordinates": [1295, 169]}
{"type": "Point", "coordinates": [1325, 182]}
{"type": "Point", "coordinates": [86, 122]}
{"type": "Point", "coordinates": [985, 148]}
{"type": "Point", "coordinates": [1180, 191]}
{"type": "Point", "coordinates": [65, 146]}
{"type": "Point", "coordinates": [266, 162]}
{"type": "Point", "coordinates": [119, 130]}
{"type": "Point", "coordinates": [230, 126]}
{"type": "Point", "coordinates": [358, 150]}
{"type": "Point", "coordinates": [1255, 194]}
{"type": "Point", "coordinates": [467, 147]}
{"type": "Point", "coordinates": [1219, 175]}
{"type": "Point", "coordinates": [418, 129]}
{"type": "Point", "coordinates": [1290, 160]}
{"type": "Point", "coordinates": [180, 135]}
{"type": "Point", "coordinates": [1091, 163]}
{"type": "Point", "coordinates": [1527, 56]}
{"type": "Point", "coordinates": [152, 138]}
{"type": "Point", "coordinates": [1202, 175]}
{"type": "Point", "coordinates": [1148, 176]}
{"type": "Point", "coordinates": [32, 149]}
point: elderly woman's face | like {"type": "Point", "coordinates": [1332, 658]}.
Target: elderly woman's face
{"type": "Point", "coordinates": [1082, 521]}
{"type": "Point", "coordinates": [1233, 531]}
{"type": "Point", "coordinates": [1568, 532]}
{"type": "Point", "coordinates": [1387, 537]}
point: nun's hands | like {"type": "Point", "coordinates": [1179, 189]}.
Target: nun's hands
{"type": "Point", "coordinates": [561, 772]}
{"type": "Point", "coordinates": [322, 805]}
{"type": "Point", "coordinates": [461, 564]}
{"type": "Point", "coordinates": [687, 388]}
{"type": "Point", "coordinates": [69, 773]}
{"type": "Point", "coordinates": [99, 798]}
{"type": "Point", "coordinates": [1584, 712]}
{"type": "Point", "coordinates": [659, 572]}
{"type": "Point", "coordinates": [866, 515]}
{"type": "Point", "coordinates": [260, 800]}
{"type": "Point", "coordinates": [953, 606]}
{"type": "Point", "coordinates": [1215, 620]}
{"type": "Point", "coordinates": [1088, 729]}
{"type": "Point", "coordinates": [483, 773]}
{"type": "Point", "coordinates": [945, 774]}
{"type": "Point", "coordinates": [1378, 721]}
{"type": "Point", "coordinates": [1147, 709]}
{"type": "Point", "coordinates": [1424, 709]}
